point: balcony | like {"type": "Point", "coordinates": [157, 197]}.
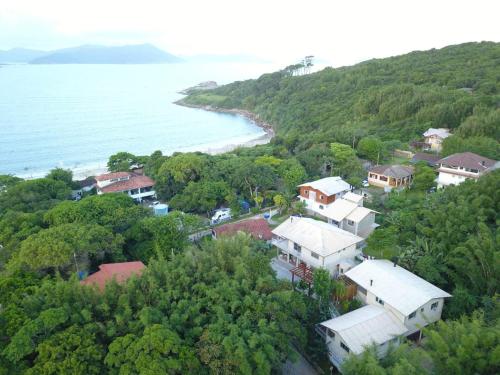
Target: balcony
{"type": "Point", "coordinates": [281, 244]}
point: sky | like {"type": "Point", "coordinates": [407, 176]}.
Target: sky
{"type": "Point", "coordinates": [340, 32]}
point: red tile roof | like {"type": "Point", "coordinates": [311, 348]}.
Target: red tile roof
{"type": "Point", "coordinates": [257, 228]}
{"type": "Point", "coordinates": [109, 176]}
{"type": "Point", "coordinates": [468, 160]}
{"type": "Point", "coordinates": [121, 272]}
{"type": "Point", "coordinates": [134, 182]}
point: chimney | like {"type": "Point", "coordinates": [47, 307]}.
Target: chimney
{"type": "Point", "coordinates": [371, 282]}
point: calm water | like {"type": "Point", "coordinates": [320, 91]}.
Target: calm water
{"type": "Point", "coordinates": [76, 116]}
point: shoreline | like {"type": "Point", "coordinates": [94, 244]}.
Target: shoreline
{"type": "Point", "coordinates": [82, 172]}
{"type": "Point", "coordinates": [252, 117]}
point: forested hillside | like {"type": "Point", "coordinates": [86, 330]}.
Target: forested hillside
{"type": "Point", "coordinates": [395, 98]}
{"type": "Point", "coordinates": [216, 307]}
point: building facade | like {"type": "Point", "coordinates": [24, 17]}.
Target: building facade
{"type": "Point", "coordinates": [314, 244]}
{"type": "Point", "coordinates": [320, 193]}
{"type": "Point", "coordinates": [456, 168]}
{"type": "Point", "coordinates": [391, 176]}
{"type": "Point", "coordinates": [136, 186]}
{"type": "Point", "coordinates": [434, 138]}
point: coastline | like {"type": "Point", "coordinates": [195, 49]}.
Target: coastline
{"type": "Point", "coordinates": [82, 172]}
{"type": "Point", "coordinates": [252, 117]}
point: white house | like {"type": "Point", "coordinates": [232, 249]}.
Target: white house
{"type": "Point", "coordinates": [320, 193]}
{"type": "Point", "coordinates": [456, 168]}
{"type": "Point", "coordinates": [136, 186]}
{"type": "Point", "coordinates": [349, 214]}
{"type": "Point", "coordinates": [353, 332]}
{"type": "Point", "coordinates": [314, 244]}
{"type": "Point", "coordinates": [407, 300]}
{"type": "Point", "coordinates": [435, 137]}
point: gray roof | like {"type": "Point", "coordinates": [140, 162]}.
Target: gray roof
{"type": "Point", "coordinates": [403, 290]}
{"type": "Point", "coordinates": [365, 326]}
{"type": "Point", "coordinates": [329, 185]}
{"type": "Point", "coordinates": [441, 133]}
{"type": "Point", "coordinates": [396, 171]}
{"type": "Point", "coordinates": [318, 236]}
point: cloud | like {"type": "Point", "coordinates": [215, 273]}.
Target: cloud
{"type": "Point", "coordinates": [341, 31]}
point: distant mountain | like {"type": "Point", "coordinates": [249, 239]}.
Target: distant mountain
{"type": "Point", "coordinates": [238, 58]}
{"type": "Point", "coordinates": [20, 55]}
{"type": "Point", "coordinates": [93, 54]}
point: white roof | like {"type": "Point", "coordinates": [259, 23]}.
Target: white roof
{"type": "Point", "coordinates": [342, 208]}
{"type": "Point", "coordinates": [329, 185]}
{"type": "Point", "coordinates": [359, 214]}
{"type": "Point", "coordinates": [441, 132]}
{"type": "Point", "coordinates": [320, 237]}
{"type": "Point", "coordinates": [396, 286]}
{"type": "Point", "coordinates": [355, 198]}
{"type": "Point", "coordinates": [365, 326]}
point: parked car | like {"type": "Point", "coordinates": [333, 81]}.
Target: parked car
{"type": "Point", "coordinates": [221, 215]}
{"type": "Point", "coordinates": [365, 183]}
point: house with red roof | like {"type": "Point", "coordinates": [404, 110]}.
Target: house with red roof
{"type": "Point", "coordinates": [137, 186]}
{"type": "Point", "coordinates": [257, 228]}
{"type": "Point", "coordinates": [120, 272]}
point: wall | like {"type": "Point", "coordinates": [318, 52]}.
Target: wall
{"type": "Point", "coordinates": [445, 179]}
{"type": "Point", "coordinates": [365, 226]}
{"type": "Point", "coordinates": [425, 317]}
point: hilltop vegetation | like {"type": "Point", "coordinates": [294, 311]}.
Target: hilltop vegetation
{"type": "Point", "coordinates": [394, 99]}
{"type": "Point", "coordinates": [217, 307]}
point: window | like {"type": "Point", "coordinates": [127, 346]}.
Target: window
{"type": "Point", "coordinates": [330, 333]}
{"type": "Point", "coordinates": [321, 197]}
{"type": "Point", "coordinates": [412, 315]}
{"type": "Point", "coordinates": [362, 290]}
{"type": "Point", "coordinates": [306, 192]}
{"type": "Point", "coordinates": [321, 206]}
{"type": "Point", "coordinates": [297, 247]}
{"type": "Point", "coordinates": [379, 300]}
{"type": "Point", "coordinates": [383, 178]}
{"type": "Point", "coordinates": [350, 222]}
{"type": "Point", "coordinates": [345, 347]}
{"type": "Point", "coordinates": [434, 306]}
{"type": "Point", "coordinates": [422, 310]}
{"type": "Point", "coordinates": [314, 255]}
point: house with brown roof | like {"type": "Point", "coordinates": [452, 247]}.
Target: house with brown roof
{"type": "Point", "coordinates": [120, 272]}
{"type": "Point", "coordinates": [258, 228]}
{"type": "Point", "coordinates": [430, 159]}
{"type": "Point", "coordinates": [135, 185]}
{"type": "Point", "coordinates": [456, 168]}
{"type": "Point", "coordinates": [392, 176]}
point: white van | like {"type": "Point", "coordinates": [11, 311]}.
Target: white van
{"type": "Point", "coordinates": [221, 215]}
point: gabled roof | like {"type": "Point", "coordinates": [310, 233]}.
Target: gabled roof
{"type": "Point", "coordinates": [320, 237]}
{"type": "Point", "coordinates": [329, 185]}
{"type": "Point", "coordinates": [440, 132]}
{"type": "Point", "coordinates": [365, 326]}
{"type": "Point", "coordinates": [396, 286]}
{"type": "Point", "coordinates": [343, 208]}
{"type": "Point", "coordinates": [355, 198]}
{"type": "Point", "coordinates": [468, 160]}
{"type": "Point", "coordinates": [134, 182]}
{"type": "Point", "coordinates": [257, 228]}
{"type": "Point", "coordinates": [110, 176]}
{"type": "Point", "coordinates": [395, 171]}
{"type": "Point", "coordinates": [121, 272]}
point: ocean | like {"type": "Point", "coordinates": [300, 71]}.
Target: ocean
{"type": "Point", "coordinates": [76, 116]}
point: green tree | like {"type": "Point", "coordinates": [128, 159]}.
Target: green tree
{"type": "Point", "coordinates": [201, 197]}
{"type": "Point", "coordinates": [63, 175]}
{"type": "Point", "coordinates": [122, 161]}
{"type": "Point", "coordinates": [345, 162]}
{"type": "Point", "coordinates": [60, 247]}
{"type": "Point", "coordinates": [371, 148]}
{"type": "Point", "coordinates": [280, 201]}
{"type": "Point", "coordinates": [293, 174]}
{"type": "Point", "coordinates": [424, 177]}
